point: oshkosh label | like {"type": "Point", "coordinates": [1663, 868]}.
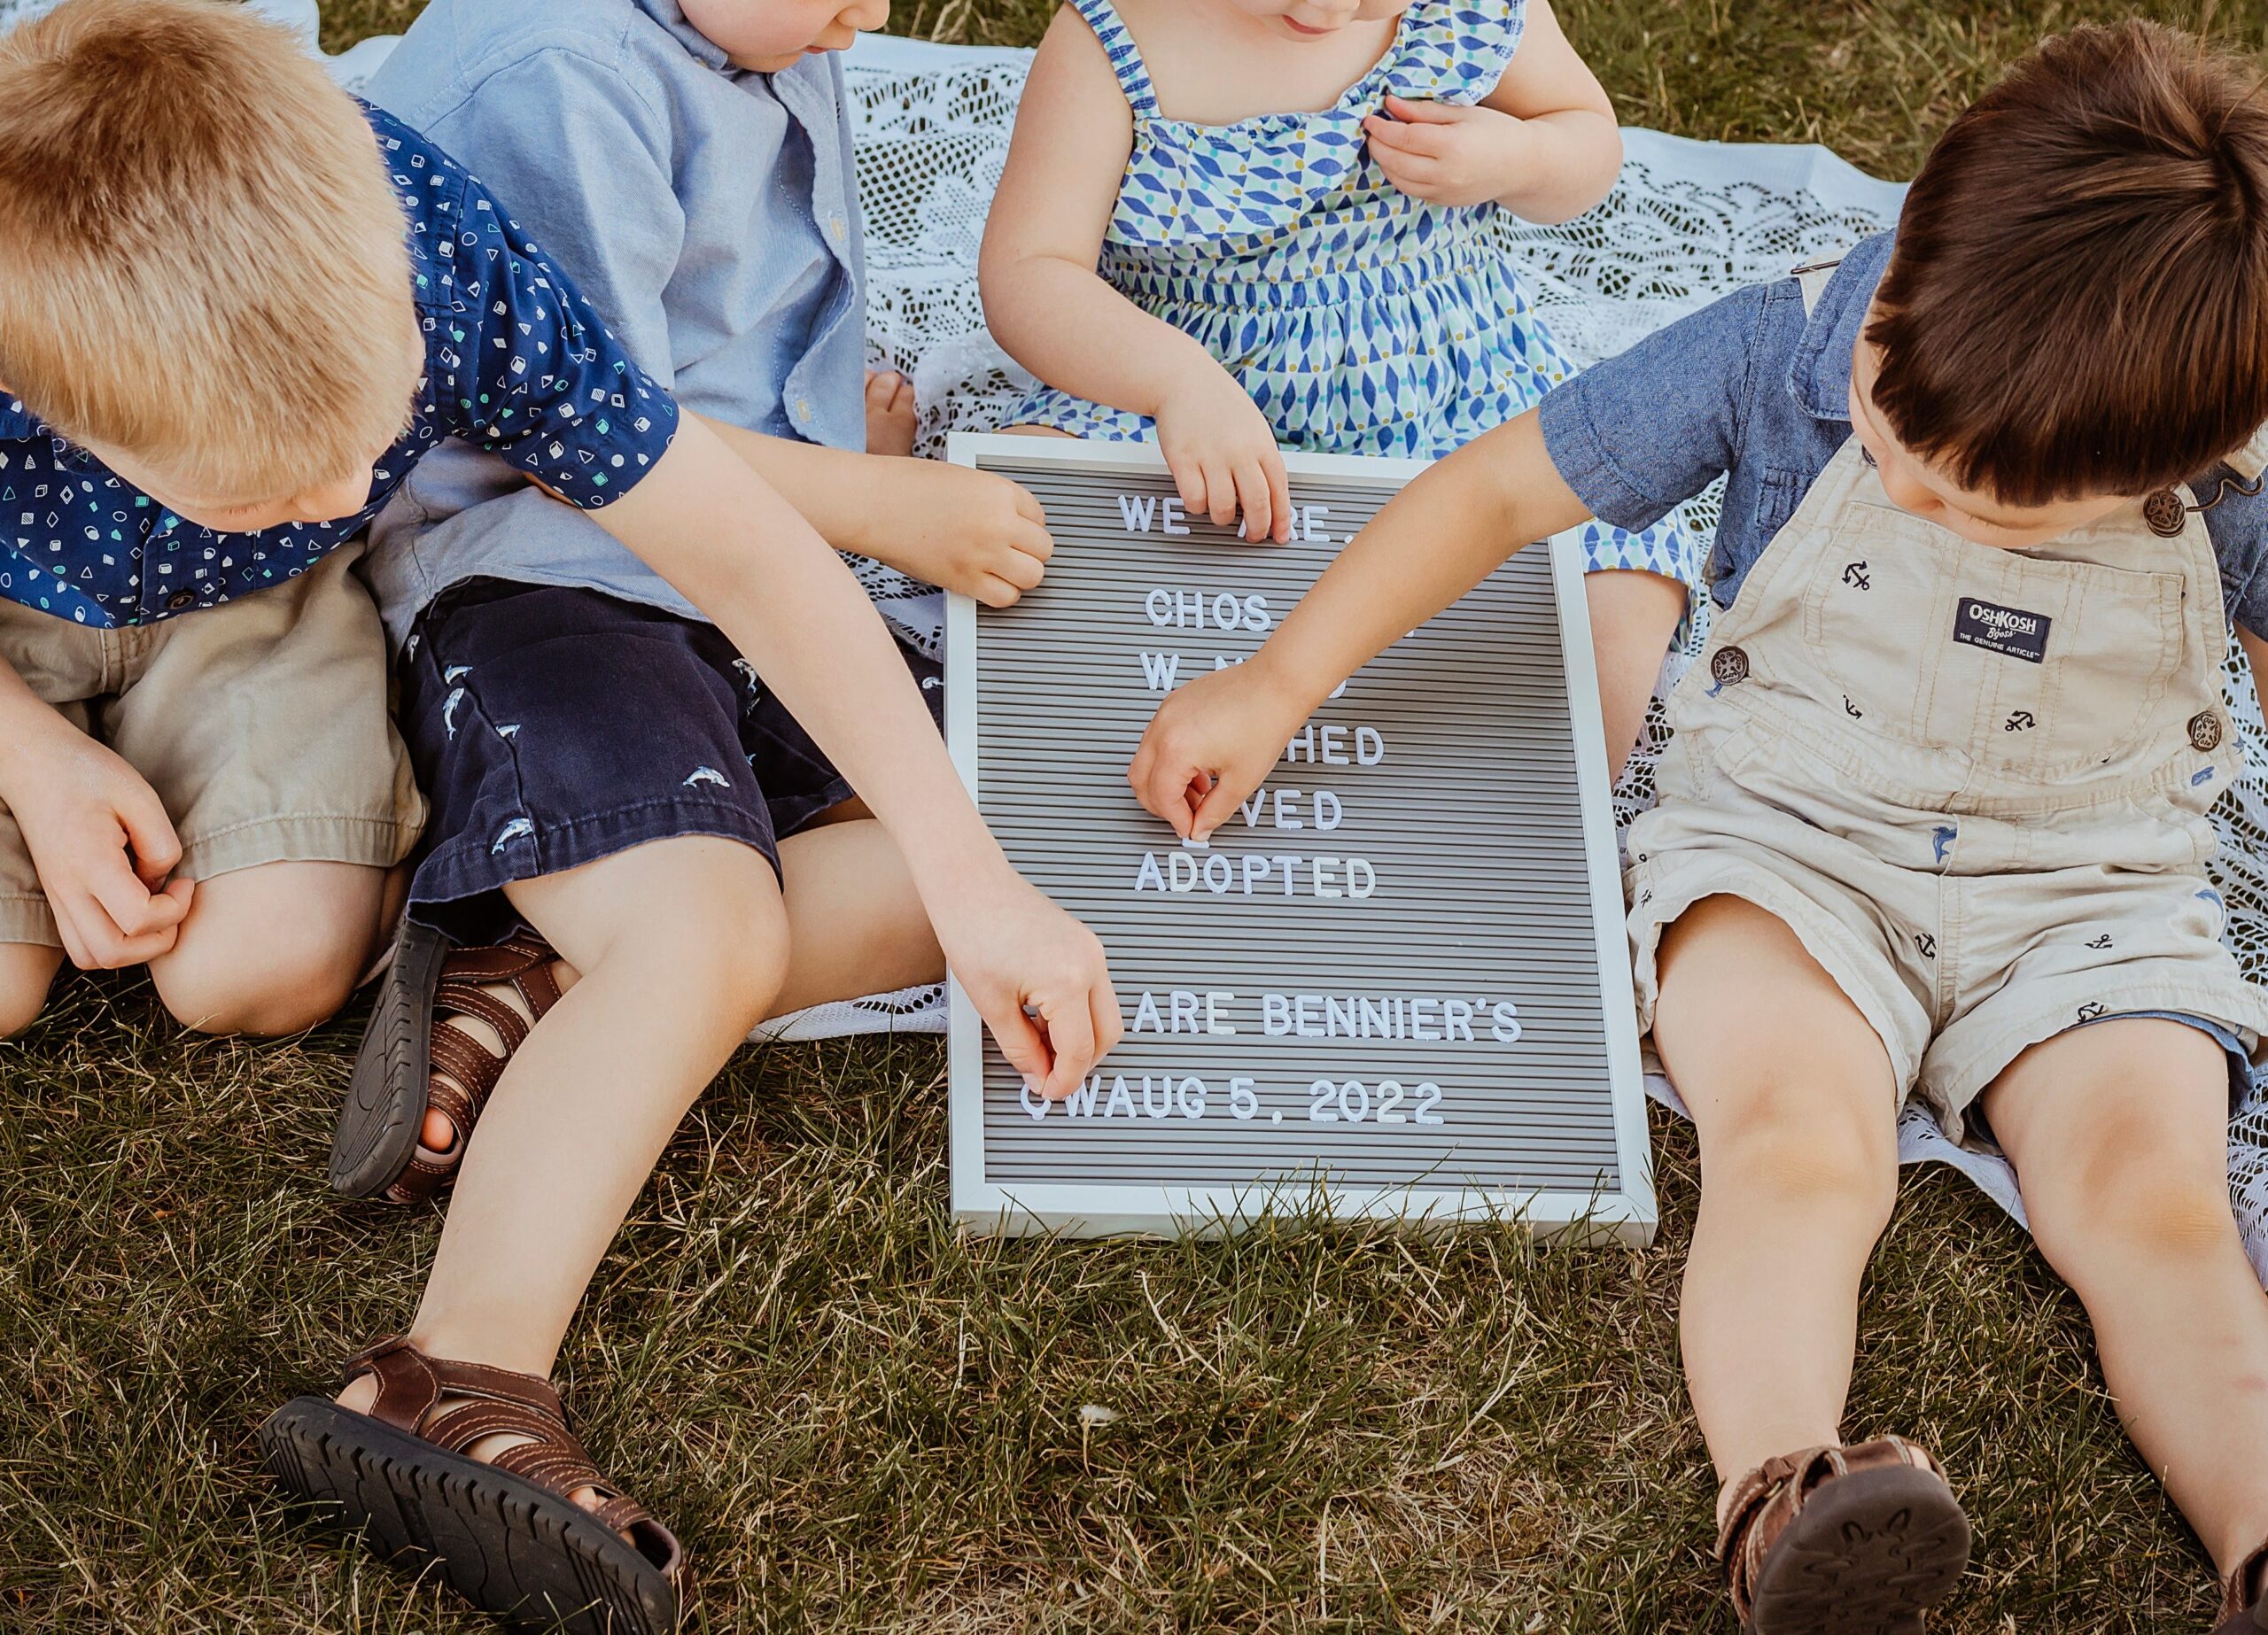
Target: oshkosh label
{"type": "Point", "coordinates": [2010, 630]}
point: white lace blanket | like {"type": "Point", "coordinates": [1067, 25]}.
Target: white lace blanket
{"type": "Point", "coordinates": [1688, 221]}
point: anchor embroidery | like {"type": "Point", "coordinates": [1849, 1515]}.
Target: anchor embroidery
{"type": "Point", "coordinates": [1925, 944]}
{"type": "Point", "coordinates": [2093, 1011]}
{"type": "Point", "coordinates": [1855, 575]}
{"type": "Point", "coordinates": [1851, 710]}
{"type": "Point", "coordinates": [2023, 721]}
{"type": "Point", "coordinates": [2101, 942]}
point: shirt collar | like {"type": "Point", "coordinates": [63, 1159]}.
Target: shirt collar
{"type": "Point", "coordinates": [1820, 378]}
{"type": "Point", "coordinates": [670, 16]}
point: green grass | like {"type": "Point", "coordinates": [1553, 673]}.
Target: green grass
{"type": "Point", "coordinates": [862, 1421]}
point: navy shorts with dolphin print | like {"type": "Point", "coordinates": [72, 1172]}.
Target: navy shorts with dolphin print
{"type": "Point", "coordinates": [551, 727]}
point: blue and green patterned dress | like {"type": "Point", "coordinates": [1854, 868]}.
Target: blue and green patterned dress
{"type": "Point", "coordinates": [1361, 321]}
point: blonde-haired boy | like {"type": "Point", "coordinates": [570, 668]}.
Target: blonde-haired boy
{"type": "Point", "coordinates": [211, 390]}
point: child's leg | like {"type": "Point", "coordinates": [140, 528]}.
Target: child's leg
{"type": "Point", "coordinates": [892, 417]}
{"type": "Point", "coordinates": [26, 972]}
{"type": "Point", "coordinates": [1634, 616]}
{"type": "Point", "coordinates": [682, 947]}
{"type": "Point", "coordinates": [273, 950]}
{"type": "Point", "coordinates": [1793, 1093]}
{"type": "Point", "coordinates": [2119, 1133]}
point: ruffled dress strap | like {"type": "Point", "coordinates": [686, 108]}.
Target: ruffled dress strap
{"type": "Point", "coordinates": [1450, 50]}
{"type": "Point", "coordinates": [1125, 56]}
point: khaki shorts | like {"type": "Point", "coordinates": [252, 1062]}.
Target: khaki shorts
{"type": "Point", "coordinates": [261, 724]}
{"type": "Point", "coordinates": [1958, 975]}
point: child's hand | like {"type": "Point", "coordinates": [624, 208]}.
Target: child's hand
{"type": "Point", "coordinates": [1448, 153]}
{"type": "Point", "coordinates": [1222, 453]}
{"type": "Point", "coordinates": [969, 530]}
{"type": "Point", "coordinates": [1037, 976]}
{"type": "Point", "coordinates": [1213, 743]}
{"type": "Point", "coordinates": [103, 846]}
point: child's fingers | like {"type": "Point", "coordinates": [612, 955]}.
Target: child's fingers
{"type": "Point", "coordinates": [1426, 112]}
{"type": "Point", "coordinates": [157, 849]}
{"type": "Point", "coordinates": [125, 902]}
{"type": "Point", "coordinates": [1279, 494]}
{"type": "Point", "coordinates": [1163, 786]}
{"type": "Point", "coordinates": [1071, 1039]}
{"type": "Point", "coordinates": [1220, 492]}
{"type": "Point", "coordinates": [1024, 572]}
{"type": "Point", "coordinates": [1258, 503]}
{"type": "Point", "coordinates": [1213, 810]}
{"type": "Point", "coordinates": [108, 948]}
{"type": "Point", "coordinates": [1032, 538]}
{"type": "Point", "coordinates": [1022, 1043]}
{"type": "Point", "coordinates": [1029, 507]}
{"type": "Point", "coordinates": [1431, 141]}
{"type": "Point", "coordinates": [1189, 479]}
{"type": "Point", "coordinates": [995, 592]}
{"type": "Point", "coordinates": [1110, 1024]}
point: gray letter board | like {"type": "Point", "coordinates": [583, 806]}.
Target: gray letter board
{"type": "Point", "coordinates": [1397, 983]}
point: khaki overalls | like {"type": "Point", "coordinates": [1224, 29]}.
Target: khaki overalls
{"type": "Point", "coordinates": [1972, 781]}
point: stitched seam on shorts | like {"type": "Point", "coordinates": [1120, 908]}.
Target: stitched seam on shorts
{"type": "Point", "coordinates": [1752, 885]}
{"type": "Point", "coordinates": [2017, 1036]}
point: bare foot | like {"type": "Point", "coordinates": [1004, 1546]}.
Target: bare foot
{"type": "Point", "coordinates": [437, 1137]}
{"type": "Point", "coordinates": [362, 1394]}
{"type": "Point", "coordinates": [890, 414]}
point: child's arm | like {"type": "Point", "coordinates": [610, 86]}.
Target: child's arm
{"type": "Point", "coordinates": [97, 832]}
{"type": "Point", "coordinates": [740, 553]}
{"type": "Point", "coordinates": [1055, 316]}
{"type": "Point", "coordinates": [1543, 144]}
{"type": "Point", "coordinates": [969, 531]}
{"type": "Point", "coordinates": [1214, 740]}
{"type": "Point", "coordinates": [597, 191]}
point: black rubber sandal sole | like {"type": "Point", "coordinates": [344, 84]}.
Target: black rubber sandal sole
{"type": "Point", "coordinates": [504, 1544]}
{"type": "Point", "coordinates": [385, 1110]}
{"type": "Point", "coordinates": [1871, 1552]}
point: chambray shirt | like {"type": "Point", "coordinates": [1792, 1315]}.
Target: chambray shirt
{"type": "Point", "coordinates": [711, 213]}
{"type": "Point", "coordinates": [1753, 390]}
{"type": "Point", "coordinates": [516, 362]}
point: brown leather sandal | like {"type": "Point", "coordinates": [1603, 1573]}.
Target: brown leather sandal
{"type": "Point", "coordinates": [1842, 1541]}
{"type": "Point", "coordinates": [506, 1534]}
{"type": "Point", "coordinates": [377, 1149]}
{"type": "Point", "coordinates": [2244, 1600]}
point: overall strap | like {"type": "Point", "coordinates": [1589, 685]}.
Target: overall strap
{"type": "Point", "coordinates": [1125, 56]}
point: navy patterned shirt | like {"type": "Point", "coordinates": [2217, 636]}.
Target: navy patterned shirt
{"type": "Point", "coordinates": [516, 362]}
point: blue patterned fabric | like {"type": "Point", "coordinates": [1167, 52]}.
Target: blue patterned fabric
{"type": "Point", "coordinates": [1361, 319]}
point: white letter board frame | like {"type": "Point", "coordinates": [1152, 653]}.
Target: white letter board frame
{"type": "Point", "coordinates": [1625, 1212]}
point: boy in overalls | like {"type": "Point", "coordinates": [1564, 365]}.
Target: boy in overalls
{"type": "Point", "coordinates": [1934, 820]}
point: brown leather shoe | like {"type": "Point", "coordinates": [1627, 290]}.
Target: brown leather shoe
{"type": "Point", "coordinates": [2244, 1599]}
{"type": "Point", "coordinates": [374, 1150]}
{"type": "Point", "coordinates": [1842, 1541]}
{"type": "Point", "coordinates": [506, 1532]}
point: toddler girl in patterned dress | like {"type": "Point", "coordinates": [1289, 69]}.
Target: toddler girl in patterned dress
{"type": "Point", "coordinates": [1231, 224]}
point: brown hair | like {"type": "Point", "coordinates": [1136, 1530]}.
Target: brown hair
{"type": "Point", "coordinates": [202, 260]}
{"type": "Point", "coordinates": [2077, 302]}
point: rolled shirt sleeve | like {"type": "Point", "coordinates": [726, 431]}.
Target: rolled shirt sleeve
{"type": "Point", "coordinates": [531, 373]}
{"type": "Point", "coordinates": [1641, 433]}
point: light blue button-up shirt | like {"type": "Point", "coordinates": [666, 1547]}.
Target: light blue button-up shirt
{"type": "Point", "coordinates": [709, 214]}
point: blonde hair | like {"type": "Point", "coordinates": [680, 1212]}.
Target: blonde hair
{"type": "Point", "coordinates": [203, 263]}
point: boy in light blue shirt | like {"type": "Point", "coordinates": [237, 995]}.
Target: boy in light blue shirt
{"type": "Point", "coordinates": [610, 780]}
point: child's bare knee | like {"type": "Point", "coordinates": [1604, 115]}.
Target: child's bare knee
{"type": "Point", "coordinates": [1777, 1152]}
{"type": "Point", "coordinates": [26, 972]}
{"type": "Point", "coordinates": [2132, 1199]}
{"type": "Point", "coordinates": [283, 982]}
